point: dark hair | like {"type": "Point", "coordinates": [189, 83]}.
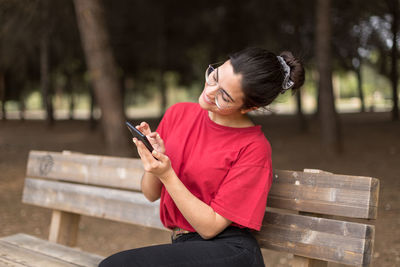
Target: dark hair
{"type": "Point", "coordinates": [263, 74]}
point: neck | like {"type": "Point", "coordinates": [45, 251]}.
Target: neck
{"type": "Point", "coordinates": [237, 120]}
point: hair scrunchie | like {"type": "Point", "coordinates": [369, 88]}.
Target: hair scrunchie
{"type": "Point", "coordinates": [287, 82]}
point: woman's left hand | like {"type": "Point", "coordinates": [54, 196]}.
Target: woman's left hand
{"type": "Point", "coordinates": [156, 162]}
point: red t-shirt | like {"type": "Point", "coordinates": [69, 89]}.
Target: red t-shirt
{"type": "Point", "coordinates": [227, 168]}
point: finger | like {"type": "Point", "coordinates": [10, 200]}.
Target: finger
{"type": "Point", "coordinates": [152, 135]}
{"type": "Point", "coordinates": [159, 140]}
{"type": "Point", "coordinates": [135, 141]}
{"type": "Point", "coordinates": [145, 153]}
{"type": "Point", "coordinates": [160, 156]}
{"type": "Point", "coordinates": [155, 135]}
{"type": "Point", "coordinates": [140, 128]}
{"type": "Point", "coordinates": [144, 128]}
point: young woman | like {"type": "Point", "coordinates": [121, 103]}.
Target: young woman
{"type": "Point", "coordinates": [211, 165]}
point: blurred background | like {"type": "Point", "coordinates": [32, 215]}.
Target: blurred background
{"type": "Point", "coordinates": [71, 73]}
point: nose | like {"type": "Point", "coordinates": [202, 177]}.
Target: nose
{"type": "Point", "coordinates": [211, 90]}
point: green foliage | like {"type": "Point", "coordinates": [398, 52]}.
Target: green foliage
{"type": "Point", "coordinates": [173, 42]}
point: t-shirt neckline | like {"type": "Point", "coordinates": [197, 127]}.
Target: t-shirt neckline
{"type": "Point", "coordinates": [213, 124]}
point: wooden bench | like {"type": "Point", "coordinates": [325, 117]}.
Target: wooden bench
{"type": "Point", "coordinates": [299, 218]}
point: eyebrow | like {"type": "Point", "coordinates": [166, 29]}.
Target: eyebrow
{"type": "Point", "coordinates": [225, 92]}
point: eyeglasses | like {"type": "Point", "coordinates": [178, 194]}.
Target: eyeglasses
{"type": "Point", "coordinates": [222, 99]}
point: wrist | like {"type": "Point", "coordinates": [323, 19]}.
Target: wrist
{"type": "Point", "coordinates": [167, 176]}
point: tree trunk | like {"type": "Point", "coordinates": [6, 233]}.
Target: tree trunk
{"type": "Point", "coordinates": [103, 73]}
{"type": "Point", "coordinates": [22, 107]}
{"type": "Point", "coordinates": [329, 122]}
{"type": "Point", "coordinates": [394, 76]}
{"type": "Point", "coordinates": [45, 80]}
{"type": "Point", "coordinates": [3, 96]}
{"type": "Point", "coordinates": [70, 92]}
{"type": "Point", "coordinates": [162, 50]}
{"type": "Point", "coordinates": [359, 86]}
{"type": "Point", "coordinates": [92, 105]}
{"type": "Point", "coordinates": [300, 114]}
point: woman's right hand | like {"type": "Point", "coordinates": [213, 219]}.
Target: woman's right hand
{"type": "Point", "coordinates": [153, 137]}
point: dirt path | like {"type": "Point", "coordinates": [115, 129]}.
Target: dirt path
{"type": "Point", "coordinates": [372, 148]}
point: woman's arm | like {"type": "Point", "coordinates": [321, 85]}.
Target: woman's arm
{"type": "Point", "coordinates": [151, 186]}
{"type": "Point", "coordinates": [201, 216]}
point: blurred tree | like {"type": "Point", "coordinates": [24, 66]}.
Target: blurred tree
{"type": "Point", "coordinates": [2, 96]}
{"type": "Point", "coordinates": [152, 39]}
{"type": "Point", "coordinates": [44, 48]}
{"type": "Point", "coordinates": [349, 38]}
{"type": "Point", "coordinates": [393, 6]}
{"type": "Point", "coordinates": [15, 56]}
{"type": "Point", "coordinates": [296, 33]}
{"type": "Point", "coordinates": [38, 39]}
{"type": "Point", "coordinates": [328, 118]}
{"type": "Point", "coordinates": [103, 73]}
{"type": "Point", "coordinates": [383, 26]}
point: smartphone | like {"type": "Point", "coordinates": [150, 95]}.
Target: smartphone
{"type": "Point", "coordinates": [138, 134]}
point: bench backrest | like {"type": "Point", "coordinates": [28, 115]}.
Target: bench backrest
{"type": "Point", "coordinates": [109, 187]}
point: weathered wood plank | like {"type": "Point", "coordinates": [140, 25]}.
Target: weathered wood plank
{"type": "Point", "coordinates": [311, 191]}
{"type": "Point", "coordinates": [113, 204]}
{"type": "Point", "coordinates": [325, 193]}
{"type": "Point", "coordinates": [329, 226]}
{"type": "Point", "coordinates": [322, 194]}
{"type": "Point", "coordinates": [64, 228]}
{"type": "Point", "coordinates": [299, 261]}
{"type": "Point", "coordinates": [13, 255]}
{"type": "Point", "coordinates": [323, 207]}
{"type": "Point", "coordinates": [67, 254]}
{"type": "Point", "coordinates": [9, 263]}
{"type": "Point", "coordinates": [117, 172]}
{"type": "Point", "coordinates": [318, 238]}
{"type": "Point", "coordinates": [323, 179]}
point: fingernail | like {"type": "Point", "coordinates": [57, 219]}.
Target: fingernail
{"type": "Point", "coordinates": [154, 153]}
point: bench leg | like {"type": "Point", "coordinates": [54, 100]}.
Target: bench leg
{"type": "Point", "coordinates": [299, 261]}
{"type": "Point", "coordinates": [64, 228]}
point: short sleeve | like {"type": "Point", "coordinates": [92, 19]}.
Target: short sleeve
{"type": "Point", "coordinates": [164, 125]}
{"type": "Point", "coordinates": [242, 196]}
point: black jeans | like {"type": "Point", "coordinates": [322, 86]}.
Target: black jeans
{"type": "Point", "coordinates": [233, 247]}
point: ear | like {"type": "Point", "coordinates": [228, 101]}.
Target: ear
{"type": "Point", "coordinates": [244, 111]}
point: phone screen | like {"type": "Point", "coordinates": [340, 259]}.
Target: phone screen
{"type": "Point", "coordinates": [140, 136]}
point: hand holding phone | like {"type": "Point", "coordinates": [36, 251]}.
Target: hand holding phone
{"type": "Point", "coordinates": [140, 136]}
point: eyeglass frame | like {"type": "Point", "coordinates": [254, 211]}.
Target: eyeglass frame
{"type": "Point", "coordinates": [210, 66]}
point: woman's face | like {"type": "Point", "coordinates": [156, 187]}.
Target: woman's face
{"type": "Point", "coordinates": [227, 92]}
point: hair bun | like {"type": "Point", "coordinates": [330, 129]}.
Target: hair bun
{"type": "Point", "coordinates": [297, 73]}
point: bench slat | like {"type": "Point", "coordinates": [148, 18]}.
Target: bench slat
{"type": "Point", "coordinates": [12, 255]}
{"type": "Point", "coordinates": [325, 193]}
{"type": "Point", "coordinates": [319, 238]}
{"type": "Point", "coordinates": [322, 207]}
{"type": "Point", "coordinates": [117, 172]}
{"type": "Point", "coordinates": [113, 204]}
{"type": "Point", "coordinates": [54, 250]}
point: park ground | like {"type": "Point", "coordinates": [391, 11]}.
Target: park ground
{"type": "Point", "coordinates": [371, 144]}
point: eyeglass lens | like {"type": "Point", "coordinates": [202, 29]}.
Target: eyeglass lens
{"type": "Point", "coordinates": [210, 76]}
{"type": "Point", "coordinates": [221, 100]}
